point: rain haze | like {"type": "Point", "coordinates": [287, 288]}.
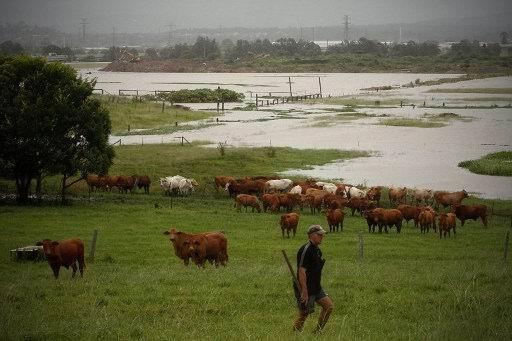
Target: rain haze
{"type": "Point", "coordinates": [155, 15]}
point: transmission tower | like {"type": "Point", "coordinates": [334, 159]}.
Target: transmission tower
{"type": "Point", "coordinates": [83, 24]}
{"type": "Point", "coordinates": [346, 27]}
{"type": "Point", "coordinates": [171, 26]}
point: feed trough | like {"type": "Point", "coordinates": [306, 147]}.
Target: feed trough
{"type": "Point", "coordinates": [32, 252]}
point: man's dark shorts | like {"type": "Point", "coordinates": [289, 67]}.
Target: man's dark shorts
{"type": "Point", "coordinates": [309, 308]}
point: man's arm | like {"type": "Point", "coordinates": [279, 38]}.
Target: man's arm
{"type": "Point", "coordinates": [303, 285]}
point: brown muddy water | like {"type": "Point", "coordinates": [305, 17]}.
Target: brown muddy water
{"type": "Point", "coordinates": [401, 156]}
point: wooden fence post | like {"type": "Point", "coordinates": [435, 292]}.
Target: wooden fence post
{"type": "Point", "coordinates": [93, 246]}
{"type": "Point", "coordinates": [505, 252]}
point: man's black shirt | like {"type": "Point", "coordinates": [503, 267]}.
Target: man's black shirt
{"type": "Point", "coordinates": [313, 263]}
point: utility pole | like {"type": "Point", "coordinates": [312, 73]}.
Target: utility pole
{"type": "Point", "coordinates": [346, 25]}
{"type": "Point", "coordinates": [113, 43]}
{"type": "Point", "coordinates": [313, 34]}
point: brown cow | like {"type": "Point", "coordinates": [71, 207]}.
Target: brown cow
{"type": "Point", "coordinates": [126, 183]}
{"type": "Point", "coordinates": [143, 181]}
{"type": "Point", "coordinates": [388, 218]}
{"type": "Point", "coordinates": [334, 201]}
{"type": "Point", "coordinates": [270, 201]}
{"type": "Point", "coordinates": [247, 200]}
{"type": "Point", "coordinates": [464, 212]}
{"type": "Point", "coordinates": [64, 253]}
{"type": "Point", "coordinates": [221, 181]}
{"type": "Point", "coordinates": [211, 246]}
{"type": "Point", "coordinates": [94, 181]}
{"type": "Point", "coordinates": [335, 219]}
{"type": "Point", "coordinates": [254, 187]}
{"type": "Point", "coordinates": [179, 242]}
{"type": "Point", "coordinates": [372, 220]}
{"type": "Point", "coordinates": [289, 222]}
{"type": "Point", "coordinates": [410, 212]}
{"type": "Point", "coordinates": [449, 198]}
{"type": "Point", "coordinates": [397, 195]}
{"type": "Point", "coordinates": [374, 194]}
{"type": "Point", "coordinates": [427, 219]}
{"type": "Point", "coordinates": [446, 223]}
{"type": "Point", "coordinates": [288, 201]}
{"type": "Point", "coordinates": [314, 202]}
{"type": "Point", "coordinates": [360, 204]}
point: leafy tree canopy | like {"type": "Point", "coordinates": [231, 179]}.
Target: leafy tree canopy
{"type": "Point", "coordinates": [49, 124]}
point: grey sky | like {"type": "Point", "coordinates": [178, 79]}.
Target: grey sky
{"type": "Point", "coordinates": [154, 15]}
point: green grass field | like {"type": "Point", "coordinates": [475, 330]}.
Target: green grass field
{"type": "Point", "coordinates": [407, 286]}
{"type": "Point", "coordinates": [499, 164]}
{"type": "Point", "coordinates": [411, 122]}
{"type": "Point", "coordinates": [127, 114]}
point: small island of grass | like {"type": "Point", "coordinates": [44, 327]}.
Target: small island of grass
{"type": "Point", "coordinates": [499, 164]}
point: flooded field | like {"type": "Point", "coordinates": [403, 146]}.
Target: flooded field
{"type": "Point", "coordinates": [407, 156]}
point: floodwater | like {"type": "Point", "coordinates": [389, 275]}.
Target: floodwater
{"type": "Point", "coordinates": [401, 156]}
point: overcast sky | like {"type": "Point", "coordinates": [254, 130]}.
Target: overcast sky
{"type": "Point", "coordinates": [154, 15]}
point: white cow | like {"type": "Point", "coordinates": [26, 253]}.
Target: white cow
{"type": "Point", "coordinates": [186, 186]}
{"type": "Point", "coordinates": [171, 184]}
{"type": "Point", "coordinates": [354, 192]}
{"type": "Point", "coordinates": [296, 190]}
{"type": "Point", "coordinates": [425, 195]}
{"type": "Point", "coordinates": [280, 185]}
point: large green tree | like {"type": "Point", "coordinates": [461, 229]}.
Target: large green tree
{"type": "Point", "coordinates": [49, 124]}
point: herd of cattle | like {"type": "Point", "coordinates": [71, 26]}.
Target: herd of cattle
{"type": "Point", "coordinates": [123, 183]}
{"type": "Point", "coordinates": [424, 208]}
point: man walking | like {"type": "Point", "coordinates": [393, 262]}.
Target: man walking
{"type": "Point", "coordinates": [309, 274]}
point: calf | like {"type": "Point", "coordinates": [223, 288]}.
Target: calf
{"type": "Point", "coordinates": [464, 212]}
{"type": "Point", "coordinates": [427, 219]}
{"type": "Point", "coordinates": [246, 200]}
{"type": "Point", "coordinates": [335, 219]}
{"type": "Point", "coordinates": [64, 253]}
{"type": "Point", "coordinates": [446, 223]}
{"type": "Point", "coordinates": [289, 222]}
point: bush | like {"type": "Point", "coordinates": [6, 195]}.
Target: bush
{"type": "Point", "coordinates": [201, 96]}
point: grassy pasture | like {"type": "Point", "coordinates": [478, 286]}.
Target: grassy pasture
{"type": "Point", "coordinates": [411, 122]}
{"type": "Point", "coordinates": [408, 286]}
{"type": "Point", "coordinates": [126, 112]}
{"type": "Point", "coordinates": [473, 91]}
{"type": "Point", "coordinates": [499, 164]}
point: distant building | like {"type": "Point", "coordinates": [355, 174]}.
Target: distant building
{"type": "Point", "coordinates": [53, 57]}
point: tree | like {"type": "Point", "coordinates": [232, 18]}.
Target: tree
{"type": "Point", "coordinates": [10, 48]}
{"type": "Point", "coordinates": [504, 37]}
{"type": "Point", "coordinates": [49, 124]}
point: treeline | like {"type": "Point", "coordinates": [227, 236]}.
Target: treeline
{"type": "Point", "coordinates": [208, 49]}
